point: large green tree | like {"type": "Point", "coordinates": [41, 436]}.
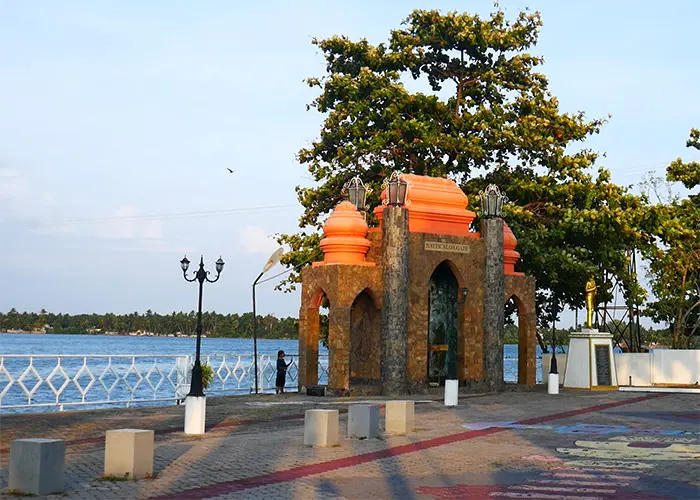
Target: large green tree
{"type": "Point", "coordinates": [674, 262]}
{"type": "Point", "coordinates": [481, 114]}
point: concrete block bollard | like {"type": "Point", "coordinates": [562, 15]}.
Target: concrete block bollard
{"type": "Point", "coordinates": [363, 421]}
{"type": "Point", "coordinates": [36, 466]}
{"type": "Point", "coordinates": [400, 417]}
{"type": "Point", "coordinates": [321, 428]}
{"type": "Point", "coordinates": [129, 452]}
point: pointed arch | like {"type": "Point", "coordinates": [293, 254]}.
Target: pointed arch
{"type": "Point", "coordinates": [364, 356]}
{"type": "Point", "coordinates": [525, 343]}
{"type": "Point", "coordinates": [445, 349]}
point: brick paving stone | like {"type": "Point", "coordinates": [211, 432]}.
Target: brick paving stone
{"type": "Point", "coordinates": [265, 458]}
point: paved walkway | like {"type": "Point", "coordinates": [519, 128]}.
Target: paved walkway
{"type": "Point", "coordinates": [577, 445]}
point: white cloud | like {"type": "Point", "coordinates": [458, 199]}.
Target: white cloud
{"type": "Point", "coordinates": [256, 241]}
{"type": "Point", "coordinates": [124, 224]}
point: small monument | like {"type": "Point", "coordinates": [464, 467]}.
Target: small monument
{"type": "Point", "coordinates": [417, 301]}
{"type": "Point", "coordinates": [590, 361]}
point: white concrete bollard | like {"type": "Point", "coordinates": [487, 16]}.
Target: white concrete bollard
{"type": "Point", "coordinates": [451, 392]}
{"type": "Point", "coordinates": [553, 383]}
{"type": "Point", "coordinates": [195, 414]}
{"type": "Point", "coordinates": [400, 417]}
{"type": "Point", "coordinates": [129, 452]}
{"type": "Point", "coordinates": [321, 428]}
{"type": "Point", "coordinates": [363, 421]}
{"type": "Point", "coordinates": [36, 466]}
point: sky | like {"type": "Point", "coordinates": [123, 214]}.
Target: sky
{"type": "Point", "coordinates": [119, 120]}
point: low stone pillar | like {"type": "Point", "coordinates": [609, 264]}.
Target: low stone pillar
{"type": "Point", "coordinates": [400, 417]}
{"type": "Point", "coordinates": [36, 466]}
{"type": "Point", "coordinates": [321, 428]}
{"type": "Point", "coordinates": [363, 421]}
{"type": "Point", "coordinates": [129, 453]}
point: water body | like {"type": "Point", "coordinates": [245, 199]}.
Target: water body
{"type": "Point", "coordinates": [146, 377]}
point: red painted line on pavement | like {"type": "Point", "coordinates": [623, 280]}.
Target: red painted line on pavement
{"type": "Point", "coordinates": [237, 485]}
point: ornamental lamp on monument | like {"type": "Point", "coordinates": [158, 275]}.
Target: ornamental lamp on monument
{"type": "Point", "coordinates": [396, 190]}
{"type": "Point", "coordinates": [356, 193]}
{"type": "Point", "coordinates": [492, 201]}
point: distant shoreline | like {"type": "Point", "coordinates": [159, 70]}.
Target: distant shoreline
{"type": "Point", "coordinates": [132, 334]}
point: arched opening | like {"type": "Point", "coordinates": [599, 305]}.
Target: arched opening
{"type": "Point", "coordinates": [516, 340]}
{"type": "Point", "coordinates": [364, 341]}
{"type": "Point", "coordinates": [443, 325]}
{"type": "Point", "coordinates": [313, 332]}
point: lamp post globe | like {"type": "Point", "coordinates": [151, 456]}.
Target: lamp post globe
{"type": "Point", "coordinates": [185, 264]}
{"type": "Point", "coordinates": [219, 265]}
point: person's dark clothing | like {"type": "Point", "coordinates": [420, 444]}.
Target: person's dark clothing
{"type": "Point", "coordinates": [281, 373]}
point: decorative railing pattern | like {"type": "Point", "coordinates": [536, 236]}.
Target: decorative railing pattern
{"type": "Point", "coordinates": [63, 381]}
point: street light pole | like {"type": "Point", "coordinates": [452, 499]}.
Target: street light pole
{"type": "Point", "coordinates": [200, 276]}
{"type": "Point", "coordinates": [274, 259]}
{"type": "Point", "coordinates": [255, 334]}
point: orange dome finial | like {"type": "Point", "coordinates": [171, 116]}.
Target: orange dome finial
{"type": "Point", "coordinates": [510, 256]}
{"type": "Point", "coordinates": [345, 241]}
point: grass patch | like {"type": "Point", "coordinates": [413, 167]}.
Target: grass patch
{"type": "Point", "coordinates": [17, 493]}
{"type": "Point", "coordinates": [113, 478]}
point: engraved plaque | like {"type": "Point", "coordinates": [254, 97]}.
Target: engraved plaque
{"type": "Point", "coordinates": [439, 246]}
{"type": "Point", "coordinates": [602, 364]}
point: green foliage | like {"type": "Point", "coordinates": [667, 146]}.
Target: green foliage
{"type": "Point", "coordinates": [175, 324]}
{"type": "Point", "coordinates": [485, 115]}
{"type": "Point", "coordinates": [674, 261]}
{"type": "Point", "coordinates": [207, 374]}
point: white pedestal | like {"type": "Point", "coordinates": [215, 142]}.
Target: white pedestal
{"type": "Point", "coordinates": [553, 383]}
{"type": "Point", "coordinates": [321, 428]}
{"type": "Point", "coordinates": [582, 365]}
{"type": "Point", "coordinates": [195, 414]}
{"type": "Point", "coordinates": [400, 417]}
{"type": "Point", "coordinates": [36, 466]}
{"type": "Point", "coordinates": [129, 453]}
{"type": "Point", "coordinates": [451, 392]}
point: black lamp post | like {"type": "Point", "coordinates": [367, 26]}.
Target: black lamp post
{"type": "Point", "coordinates": [396, 190]}
{"type": "Point", "coordinates": [201, 276]}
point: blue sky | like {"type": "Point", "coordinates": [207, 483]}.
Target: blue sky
{"type": "Point", "coordinates": [129, 109]}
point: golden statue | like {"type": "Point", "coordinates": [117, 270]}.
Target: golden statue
{"type": "Point", "coordinates": [590, 301]}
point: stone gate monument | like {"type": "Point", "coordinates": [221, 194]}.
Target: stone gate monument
{"type": "Point", "coordinates": [409, 301]}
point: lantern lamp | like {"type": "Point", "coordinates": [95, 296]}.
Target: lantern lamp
{"type": "Point", "coordinates": [219, 265]}
{"type": "Point", "coordinates": [492, 201]}
{"type": "Point", "coordinates": [396, 190]}
{"type": "Point", "coordinates": [185, 264]}
{"type": "Point", "coordinates": [356, 192]}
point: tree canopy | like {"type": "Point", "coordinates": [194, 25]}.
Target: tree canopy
{"type": "Point", "coordinates": [482, 114]}
{"type": "Point", "coordinates": [175, 324]}
{"type": "Point", "coordinates": [674, 261]}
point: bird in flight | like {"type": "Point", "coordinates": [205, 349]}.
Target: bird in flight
{"type": "Point", "coordinates": [229, 170]}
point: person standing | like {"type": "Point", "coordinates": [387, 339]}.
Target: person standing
{"type": "Point", "coordinates": [281, 373]}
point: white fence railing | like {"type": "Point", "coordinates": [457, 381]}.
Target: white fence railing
{"type": "Point", "coordinates": [63, 381]}
{"type": "Point", "coordinates": [54, 381]}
